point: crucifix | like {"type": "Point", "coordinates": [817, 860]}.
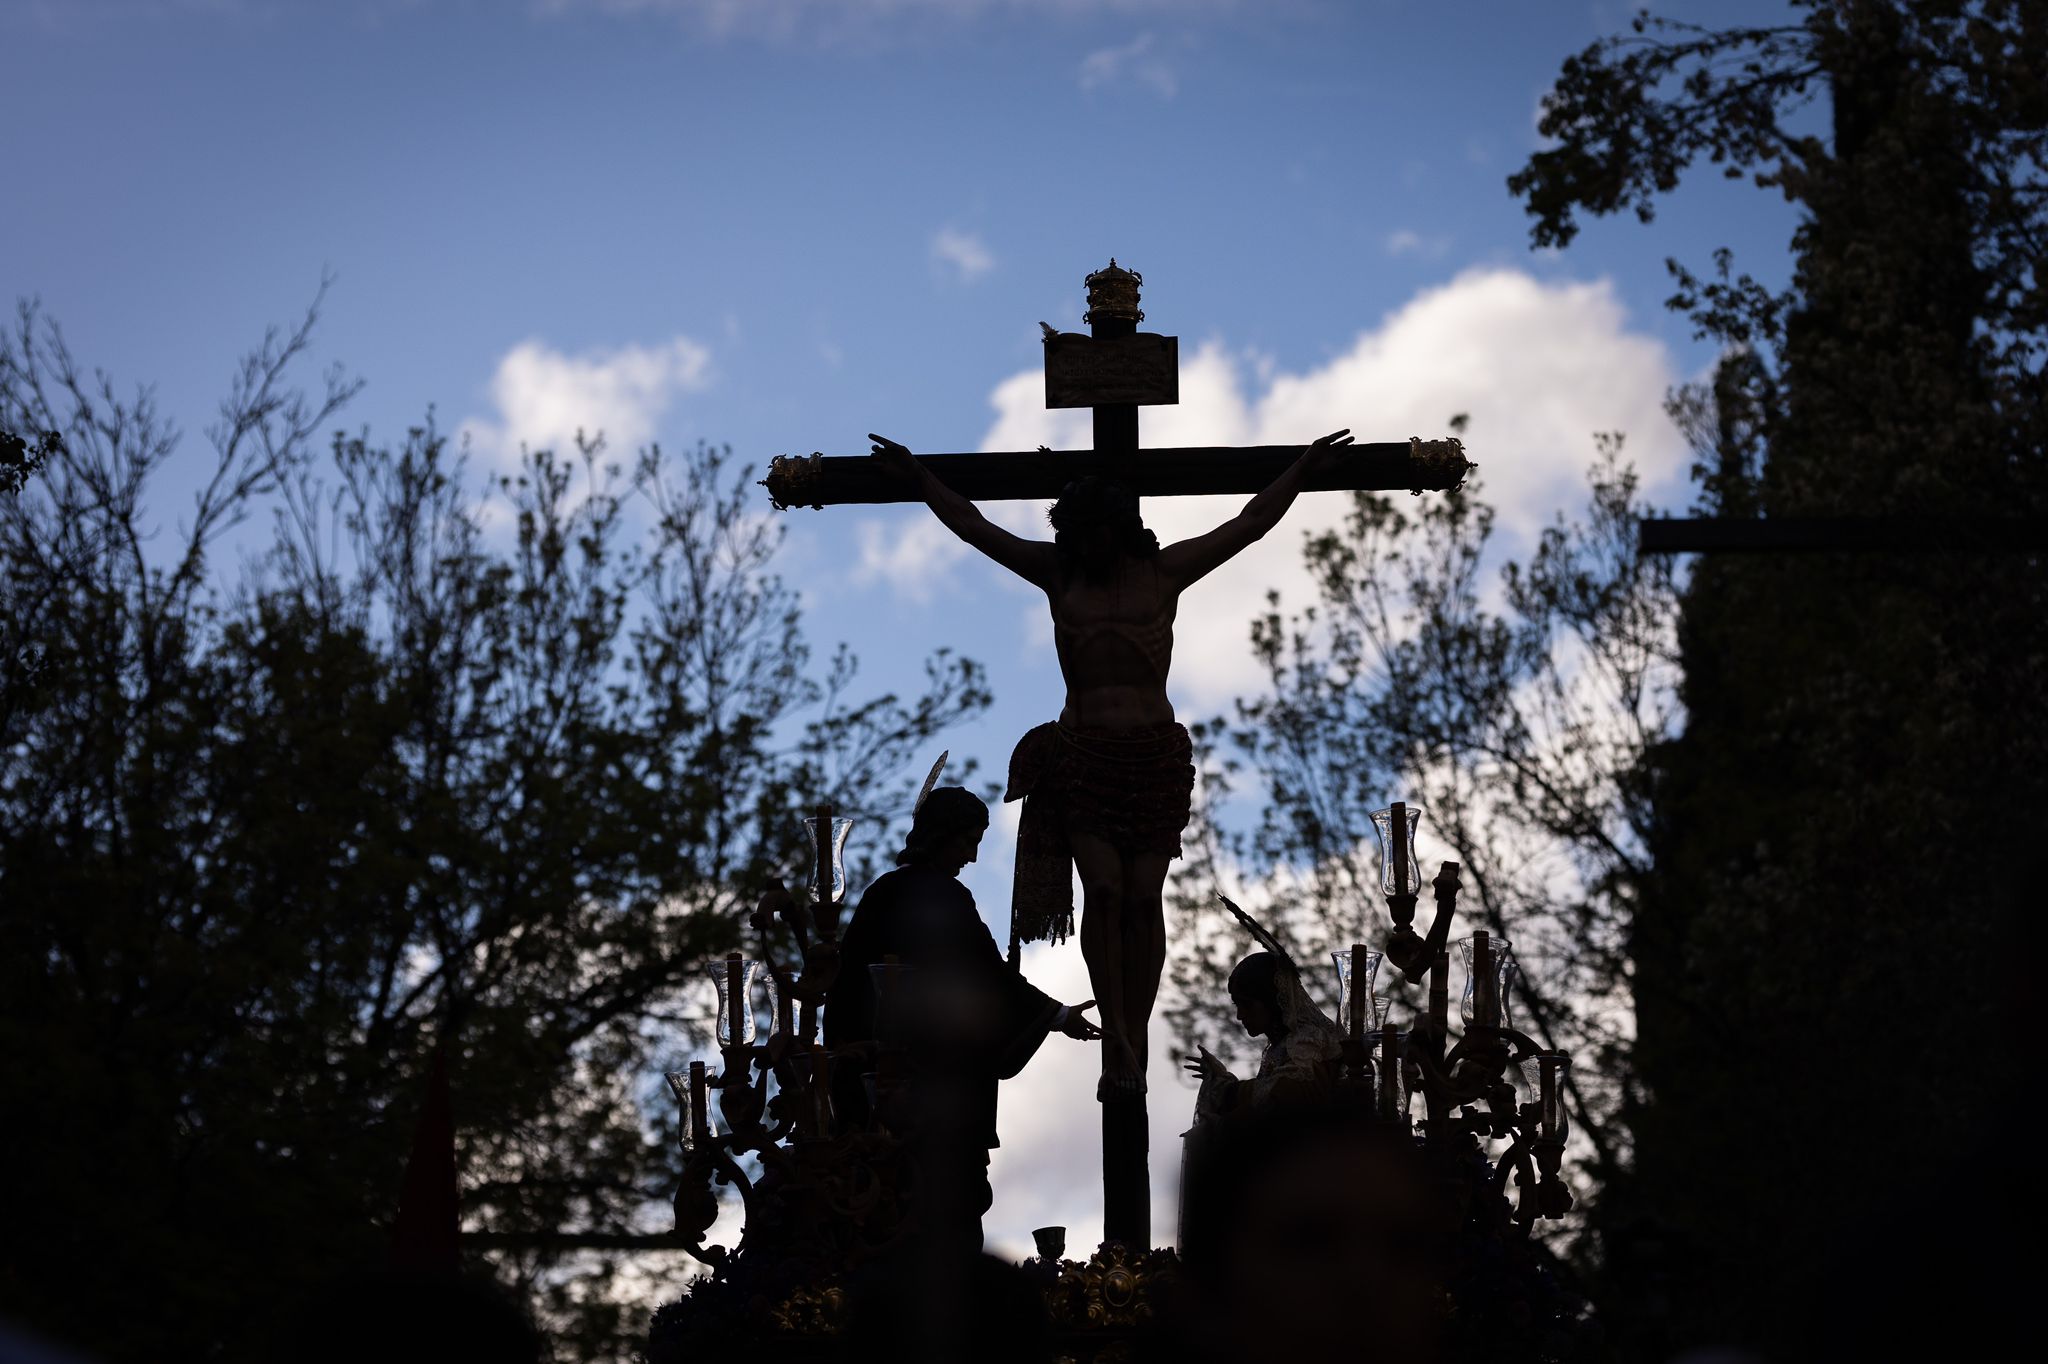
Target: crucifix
{"type": "Point", "coordinates": [1107, 787]}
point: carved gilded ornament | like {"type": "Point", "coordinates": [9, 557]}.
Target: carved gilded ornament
{"type": "Point", "coordinates": [812, 1311]}
{"type": "Point", "coordinates": [1114, 1288]}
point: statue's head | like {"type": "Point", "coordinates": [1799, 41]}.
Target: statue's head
{"type": "Point", "coordinates": [1096, 520]}
{"type": "Point", "coordinates": [946, 830]}
{"type": "Point", "coordinates": [1255, 990]}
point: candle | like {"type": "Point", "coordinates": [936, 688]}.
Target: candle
{"type": "Point", "coordinates": [821, 1091]}
{"type": "Point", "coordinates": [1483, 1003]}
{"type": "Point", "coordinates": [824, 835]}
{"type": "Point", "coordinates": [1546, 1069]}
{"type": "Point", "coordinates": [700, 1125]}
{"type": "Point", "coordinates": [1440, 994]}
{"type": "Point", "coordinates": [1400, 838]}
{"type": "Point", "coordinates": [1390, 1079]}
{"type": "Point", "coordinates": [1357, 983]}
{"type": "Point", "coordinates": [737, 1005]}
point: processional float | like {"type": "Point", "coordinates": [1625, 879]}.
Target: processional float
{"type": "Point", "coordinates": [821, 1197]}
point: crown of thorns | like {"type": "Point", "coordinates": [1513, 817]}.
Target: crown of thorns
{"type": "Point", "coordinates": [1093, 499]}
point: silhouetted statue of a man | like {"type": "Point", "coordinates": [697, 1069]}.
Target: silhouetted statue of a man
{"type": "Point", "coordinates": [1107, 786]}
{"type": "Point", "coordinates": [976, 1021]}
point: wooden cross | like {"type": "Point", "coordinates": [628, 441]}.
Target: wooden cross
{"type": "Point", "coordinates": [1115, 369]}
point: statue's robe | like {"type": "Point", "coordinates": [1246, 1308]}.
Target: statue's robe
{"type": "Point", "coordinates": [1297, 1075]}
{"type": "Point", "coordinates": [978, 1020]}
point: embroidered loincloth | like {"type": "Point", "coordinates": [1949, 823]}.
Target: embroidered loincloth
{"type": "Point", "coordinates": [1132, 787]}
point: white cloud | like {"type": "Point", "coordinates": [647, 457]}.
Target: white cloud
{"type": "Point", "coordinates": [1137, 62]}
{"type": "Point", "coordinates": [1539, 366]}
{"type": "Point", "coordinates": [821, 22]}
{"type": "Point", "coordinates": [543, 397]}
{"type": "Point", "coordinates": [1408, 242]}
{"type": "Point", "coordinates": [831, 21]}
{"type": "Point", "coordinates": [965, 254]}
{"type": "Point", "coordinates": [913, 556]}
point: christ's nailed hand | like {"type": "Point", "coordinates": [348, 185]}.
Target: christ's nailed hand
{"type": "Point", "coordinates": [1078, 1027]}
{"type": "Point", "coordinates": [1325, 451]}
{"type": "Point", "coordinates": [897, 459]}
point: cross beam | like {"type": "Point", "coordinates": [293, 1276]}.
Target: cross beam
{"type": "Point", "coordinates": [1838, 534]}
{"type": "Point", "coordinates": [1041, 475]}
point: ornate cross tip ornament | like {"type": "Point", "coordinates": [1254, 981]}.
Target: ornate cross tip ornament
{"type": "Point", "coordinates": [789, 476]}
{"type": "Point", "coordinates": [1113, 293]}
{"type": "Point", "coordinates": [1440, 465]}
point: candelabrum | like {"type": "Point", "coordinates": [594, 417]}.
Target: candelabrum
{"type": "Point", "coordinates": [823, 1185]}
{"type": "Point", "coordinates": [1467, 1088]}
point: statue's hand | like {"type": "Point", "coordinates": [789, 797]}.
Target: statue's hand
{"type": "Point", "coordinates": [897, 459]}
{"type": "Point", "coordinates": [1078, 1027]}
{"type": "Point", "coordinates": [1204, 1065]}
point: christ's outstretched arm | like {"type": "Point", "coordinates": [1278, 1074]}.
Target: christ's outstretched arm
{"type": "Point", "coordinates": [1031, 560]}
{"type": "Point", "coordinates": [1190, 560]}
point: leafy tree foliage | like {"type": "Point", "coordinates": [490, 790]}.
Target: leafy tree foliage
{"type": "Point", "coordinates": [486, 768]}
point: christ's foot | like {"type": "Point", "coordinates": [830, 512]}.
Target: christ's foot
{"type": "Point", "coordinates": [1122, 1077]}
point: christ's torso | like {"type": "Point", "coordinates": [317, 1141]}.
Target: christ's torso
{"type": "Point", "coordinates": [1114, 634]}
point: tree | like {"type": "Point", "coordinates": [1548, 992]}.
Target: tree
{"type": "Point", "coordinates": [1849, 819]}
{"type": "Point", "coordinates": [491, 769]}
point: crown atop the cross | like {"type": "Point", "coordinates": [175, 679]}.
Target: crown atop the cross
{"type": "Point", "coordinates": [1113, 292]}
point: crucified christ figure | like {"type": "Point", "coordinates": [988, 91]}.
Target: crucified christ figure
{"type": "Point", "coordinates": [1109, 783]}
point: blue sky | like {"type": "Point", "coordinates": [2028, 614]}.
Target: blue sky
{"type": "Point", "coordinates": [784, 224]}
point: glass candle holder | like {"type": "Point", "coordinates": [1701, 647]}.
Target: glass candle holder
{"type": "Point", "coordinates": [832, 845]}
{"type": "Point", "coordinates": [679, 1085]}
{"type": "Point", "coordinates": [1391, 1094]}
{"type": "Point", "coordinates": [735, 977]}
{"type": "Point", "coordinates": [1357, 970]}
{"type": "Point", "coordinates": [1400, 874]}
{"type": "Point", "coordinates": [1552, 1069]}
{"type": "Point", "coordinates": [1489, 974]}
{"type": "Point", "coordinates": [1528, 1078]}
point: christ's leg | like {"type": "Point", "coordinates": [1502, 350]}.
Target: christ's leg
{"type": "Point", "coordinates": [1102, 945]}
{"type": "Point", "coordinates": [1144, 942]}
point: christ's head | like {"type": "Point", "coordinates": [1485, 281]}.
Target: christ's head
{"type": "Point", "coordinates": [1095, 521]}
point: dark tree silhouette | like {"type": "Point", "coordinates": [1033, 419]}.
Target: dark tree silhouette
{"type": "Point", "coordinates": [1828, 948]}
{"type": "Point", "coordinates": [494, 764]}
